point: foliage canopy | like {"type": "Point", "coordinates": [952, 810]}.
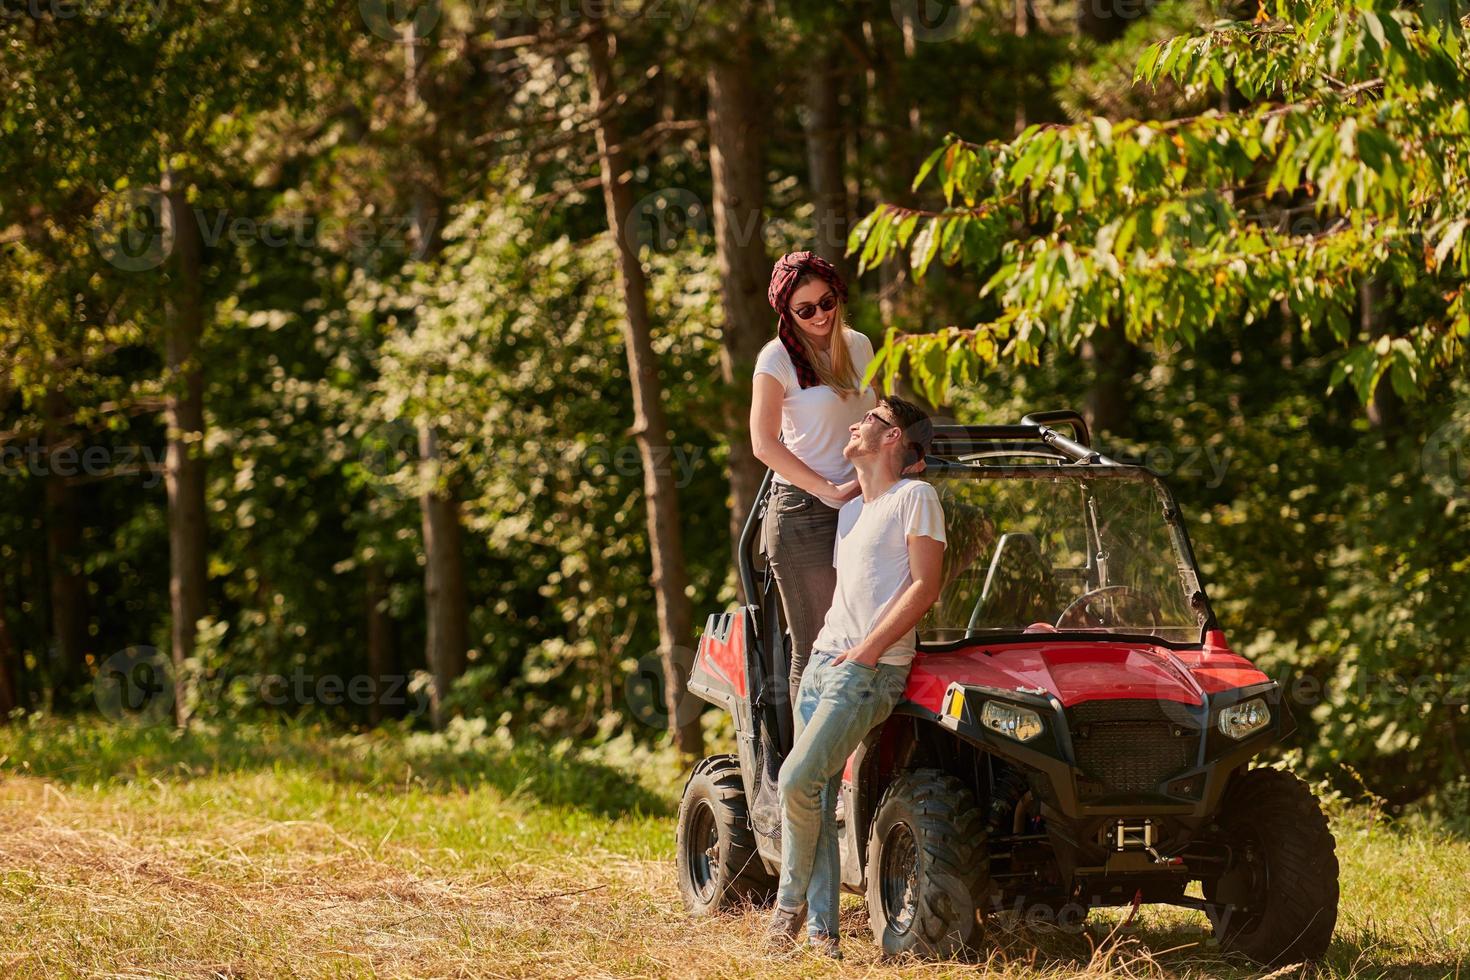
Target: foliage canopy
{"type": "Point", "coordinates": [1341, 158]}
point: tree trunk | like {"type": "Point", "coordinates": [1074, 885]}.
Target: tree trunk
{"type": "Point", "coordinates": [1021, 18]}
{"type": "Point", "coordinates": [1104, 20]}
{"type": "Point", "coordinates": [68, 588]}
{"type": "Point", "coordinates": [444, 591]}
{"type": "Point", "coordinates": [897, 126]}
{"type": "Point", "coordinates": [446, 603]}
{"type": "Point", "coordinates": [737, 165]}
{"type": "Point", "coordinates": [1107, 353]}
{"type": "Point", "coordinates": [824, 155]}
{"type": "Point", "coordinates": [9, 674]}
{"type": "Point", "coordinates": [379, 638]}
{"type": "Point", "coordinates": [9, 695]}
{"type": "Point", "coordinates": [184, 472]}
{"type": "Point", "coordinates": [894, 134]}
{"type": "Point", "coordinates": [650, 428]}
{"type": "Point", "coordinates": [1383, 407]}
{"type": "Point", "coordinates": [1112, 361]}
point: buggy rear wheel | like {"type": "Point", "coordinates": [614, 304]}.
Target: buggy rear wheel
{"type": "Point", "coordinates": [715, 851]}
{"type": "Point", "coordinates": [928, 866]}
{"type": "Point", "coordinates": [1278, 895]}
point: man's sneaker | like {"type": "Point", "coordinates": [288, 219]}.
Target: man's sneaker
{"type": "Point", "coordinates": [824, 944]}
{"type": "Point", "coordinates": [784, 927]}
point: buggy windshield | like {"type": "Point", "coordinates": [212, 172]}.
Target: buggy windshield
{"type": "Point", "coordinates": [1037, 554]}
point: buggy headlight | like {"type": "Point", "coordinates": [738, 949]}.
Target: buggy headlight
{"type": "Point", "coordinates": [1246, 718]}
{"type": "Point", "coordinates": [1012, 721]}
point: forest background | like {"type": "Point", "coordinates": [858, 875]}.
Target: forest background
{"type": "Point", "coordinates": [388, 363]}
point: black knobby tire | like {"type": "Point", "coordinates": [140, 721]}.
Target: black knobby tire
{"type": "Point", "coordinates": [1279, 897]}
{"type": "Point", "coordinates": [928, 866]}
{"type": "Point", "coordinates": [715, 850]}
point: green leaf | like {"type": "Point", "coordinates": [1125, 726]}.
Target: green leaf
{"type": "Point", "coordinates": [896, 351]}
{"type": "Point", "coordinates": [947, 181]}
{"type": "Point", "coordinates": [1144, 70]}
{"type": "Point", "coordinates": [905, 229]}
{"type": "Point", "coordinates": [882, 219]}
{"type": "Point", "coordinates": [1451, 238]}
{"type": "Point", "coordinates": [1375, 28]}
{"type": "Point", "coordinates": [1217, 75]}
{"type": "Point", "coordinates": [933, 369]}
{"type": "Point", "coordinates": [878, 363]}
{"type": "Point", "coordinates": [928, 165]}
{"type": "Point", "coordinates": [859, 234]}
{"type": "Point", "coordinates": [926, 246]}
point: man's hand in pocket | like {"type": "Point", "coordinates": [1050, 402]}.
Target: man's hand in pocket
{"type": "Point", "coordinates": [858, 654]}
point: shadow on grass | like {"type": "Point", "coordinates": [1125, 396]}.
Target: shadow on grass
{"type": "Point", "coordinates": [87, 751]}
{"type": "Point", "coordinates": [1176, 949]}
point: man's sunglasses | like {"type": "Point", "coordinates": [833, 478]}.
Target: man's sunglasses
{"type": "Point", "coordinates": [878, 418]}
{"type": "Point", "coordinates": [806, 311]}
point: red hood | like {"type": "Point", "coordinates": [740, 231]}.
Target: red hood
{"type": "Point", "coordinates": [1085, 670]}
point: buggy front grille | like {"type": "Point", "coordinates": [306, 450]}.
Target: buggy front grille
{"type": "Point", "coordinates": [1131, 746]}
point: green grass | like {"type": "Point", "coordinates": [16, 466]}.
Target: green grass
{"type": "Point", "coordinates": [284, 850]}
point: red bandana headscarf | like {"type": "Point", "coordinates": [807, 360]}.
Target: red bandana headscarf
{"type": "Point", "coordinates": [789, 269]}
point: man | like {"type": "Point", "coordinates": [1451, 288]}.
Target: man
{"type": "Point", "coordinates": [889, 555]}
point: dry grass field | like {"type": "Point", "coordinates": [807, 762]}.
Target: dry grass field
{"type": "Point", "coordinates": [296, 851]}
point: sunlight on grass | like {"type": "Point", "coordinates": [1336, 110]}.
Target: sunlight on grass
{"type": "Point", "coordinates": [298, 850]}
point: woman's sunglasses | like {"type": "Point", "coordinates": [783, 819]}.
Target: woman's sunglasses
{"type": "Point", "coordinates": [806, 311]}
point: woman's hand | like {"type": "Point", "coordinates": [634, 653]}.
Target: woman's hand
{"type": "Point", "coordinates": [844, 492]}
{"type": "Point", "coordinates": [915, 468]}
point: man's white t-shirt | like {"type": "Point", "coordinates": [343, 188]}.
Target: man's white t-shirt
{"type": "Point", "coordinates": [872, 561]}
{"type": "Point", "coordinates": [814, 421]}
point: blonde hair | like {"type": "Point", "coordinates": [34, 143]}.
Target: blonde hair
{"type": "Point", "coordinates": [837, 370]}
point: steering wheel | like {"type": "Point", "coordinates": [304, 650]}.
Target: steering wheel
{"type": "Point", "coordinates": [1079, 613]}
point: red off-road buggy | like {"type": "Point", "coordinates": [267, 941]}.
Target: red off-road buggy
{"type": "Point", "coordinates": [1075, 733]}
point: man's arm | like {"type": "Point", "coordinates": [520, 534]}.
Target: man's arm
{"type": "Point", "coordinates": [926, 564]}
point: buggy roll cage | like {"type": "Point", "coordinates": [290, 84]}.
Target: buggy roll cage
{"type": "Point", "coordinates": [969, 448]}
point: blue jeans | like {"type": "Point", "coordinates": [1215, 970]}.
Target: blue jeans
{"type": "Point", "coordinates": [836, 707]}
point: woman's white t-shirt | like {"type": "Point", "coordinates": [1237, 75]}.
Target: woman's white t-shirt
{"type": "Point", "coordinates": [814, 421]}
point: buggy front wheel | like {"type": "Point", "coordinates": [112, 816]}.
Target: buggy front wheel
{"type": "Point", "coordinates": [928, 866]}
{"type": "Point", "coordinates": [1276, 902]}
{"type": "Point", "coordinates": [715, 854]}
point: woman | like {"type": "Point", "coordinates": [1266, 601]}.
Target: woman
{"type": "Point", "coordinates": [807, 391]}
